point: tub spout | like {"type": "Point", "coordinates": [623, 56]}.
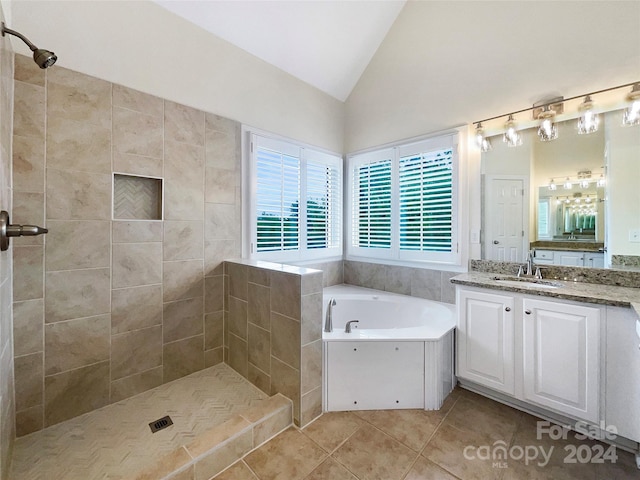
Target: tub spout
{"type": "Point", "coordinates": [328, 323]}
{"type": "Point", "coordinates": [347, 328]}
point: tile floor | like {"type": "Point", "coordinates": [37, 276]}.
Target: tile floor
{"type": "Point", "coordinates": [419, 445]}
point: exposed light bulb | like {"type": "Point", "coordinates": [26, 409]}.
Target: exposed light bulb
{"type": "Point", "coordinates": [588, 121]}
{"type": "Point", "coordinates": [511, 136]}
{"type": "Point", "coordinates": [632, 114]}
{"type": "Point", "coordinates": [567, 184]}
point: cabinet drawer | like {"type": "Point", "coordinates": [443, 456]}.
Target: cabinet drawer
{"type": "Point", "coordinates": [544, 254]}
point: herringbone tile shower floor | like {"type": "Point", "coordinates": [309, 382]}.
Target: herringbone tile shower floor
{"type": "Point", "coordinates": [115, 442]}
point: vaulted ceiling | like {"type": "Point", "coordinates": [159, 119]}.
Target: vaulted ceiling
{"type": "Point", "coordinates": [327, 44]}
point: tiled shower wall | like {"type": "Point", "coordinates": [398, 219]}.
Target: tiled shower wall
{"type": "Point", "coordinates": [7, 410]}
{"type": "Point", "coordinates": [274, 331]}
{"type": "Point", "coordinates": [106, 309]}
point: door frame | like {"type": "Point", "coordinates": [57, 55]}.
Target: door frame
{"type": "Point", "coordinates": [526, 211]}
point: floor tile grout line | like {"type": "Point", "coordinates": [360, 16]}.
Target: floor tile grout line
{"type": "Point", "coordinates": [433, 434]}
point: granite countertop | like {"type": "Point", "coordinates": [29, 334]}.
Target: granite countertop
{"type": "Point", "coordinates": [576, 291]}
{"type": "Point", "coordinates": [568, 245]}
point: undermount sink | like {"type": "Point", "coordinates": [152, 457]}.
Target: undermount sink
{"type": "Point", "coordinates": [528, 282]}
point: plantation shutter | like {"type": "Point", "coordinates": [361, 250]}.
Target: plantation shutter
{"type": "Point", "coordinates": [371, 197]}
{"type": "Point", "coordinates": [324, 200]}
{"type": "Point", "coordinates": [277, 167]}
{"type": "Point", "coordinates": [426, 208]}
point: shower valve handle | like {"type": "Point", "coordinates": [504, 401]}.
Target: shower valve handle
{"type": "Point", "coordinates": [7, 230]}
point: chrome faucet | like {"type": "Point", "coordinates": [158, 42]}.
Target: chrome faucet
{"type": "Point", "coordinates": [347, 328]}
{"type": "Point", "coordinates": [530, 263]}
{"type": "Point", "coordinates": [328, 322]}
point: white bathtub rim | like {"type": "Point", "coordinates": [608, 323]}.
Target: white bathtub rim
{"type": "Point", "coordinates": [425, 333]}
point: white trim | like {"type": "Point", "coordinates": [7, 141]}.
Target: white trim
{"type": "Point", "coordinates": [250, 137]}
{"type": "Point", "coordinates": [459, 253]}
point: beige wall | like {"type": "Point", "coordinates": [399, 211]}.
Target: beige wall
{"type": "Point", "coordinates": [7, 405]}
{"type": "Point", "coordinates": [142, 46]}
{"type": "Point", "coordinates": [449, 63]}
{"type": "Point", "coordinates": [106, 309]}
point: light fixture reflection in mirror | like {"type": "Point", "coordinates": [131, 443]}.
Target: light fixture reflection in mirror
{"type": "Point", "coordinates": [632, 114]}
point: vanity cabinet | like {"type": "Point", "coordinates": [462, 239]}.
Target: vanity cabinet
{"type": "Point", "coordinates": [485, 339]}
{"type": "Point", "coordinates": [570, 258]}
{"type": "Point", "coordinates": [543, 352]}
{"type": "Point", "coordinates": [561, 357]}
{"type": "Point", "coordinates": [622, 368]}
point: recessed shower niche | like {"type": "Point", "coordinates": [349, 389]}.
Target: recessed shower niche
{"type": "Point", "coordinates": [136, 197]}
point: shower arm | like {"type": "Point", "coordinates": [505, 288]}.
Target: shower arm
{"type": "Point", "coordinates": [19, 35]}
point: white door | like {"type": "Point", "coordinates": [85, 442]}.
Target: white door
{"type": "Point", "coordinates": [561, 350]}
{"type": "Point", "coordinates": [485, 339]}
{"type": "Point", "coordinates": [505, 219]}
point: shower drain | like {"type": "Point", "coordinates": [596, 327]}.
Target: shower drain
{"type": "Point", "coordinates": [161, 423]}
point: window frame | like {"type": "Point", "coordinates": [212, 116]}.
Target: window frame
{"type": "Point", "coordinates": [449, 139]}
{"type": "Point", "coordinates": [306, 154]}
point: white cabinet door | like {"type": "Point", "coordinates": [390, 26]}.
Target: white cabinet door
{"type": "Point", "coordinates": [574, 259]}
{"type": "Point", "coordinates": [622, 409]}
{"type": "Point", "coordinates": [486, 339]}
{"type": "Point", "coordinates": [595, 260]}
{"type": "Point", "coordinates": [561, 344]}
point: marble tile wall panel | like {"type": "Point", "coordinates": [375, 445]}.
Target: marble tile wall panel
{"type": "Point", "coordinates": [182, 357]}
{"type": "Point", "coordinates": [81, 146]}
{"type": "Point", "coordinates": [135, 352]}
{"type": "Point", "coordinates": [135, 308]}
{"type": "Point", "coordinates": [28, 331]}
{"type": "Point", "coordinates": [76, 343]}
{"type": "Point", "coordinates": [75, 392]}
{"type": "Point", "coordinates": [28, 164]}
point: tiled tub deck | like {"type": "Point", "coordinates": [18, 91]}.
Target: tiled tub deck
{"type": "Point", "coordinates": [217, 418]}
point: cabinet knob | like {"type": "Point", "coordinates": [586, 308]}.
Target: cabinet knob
{"type": "Point", "coordinates": [528, 312]}
{"type": "Point", "coordinates": [507, 309]}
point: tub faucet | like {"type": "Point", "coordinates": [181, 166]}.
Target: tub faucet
{"type": "Point", "coordinates": [347, 329]}
{"type": "Point", "coordinates": [328, 323]}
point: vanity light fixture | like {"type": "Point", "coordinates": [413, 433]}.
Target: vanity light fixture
{"type": "Point", "coordinates": [483, 142]}
{"type": "Point", "coordinates": [588, 199]}
{"type": "Point", "coordinates": [552, 185]}
{"type": "Point", "coordinates": [511, 136]}
{"type": "Point", "coordinates": [567, 184]}
{"type": "Point", "coordinates": [632, 114]}
{"type": "Point", "coordinates": [588, 121]}
{"type": "Point", "coordinates": [546, 111]}
{"type": "Point", "coordinates": [601, 181]}
{"type": "Point", "coordinates": [548, 130]}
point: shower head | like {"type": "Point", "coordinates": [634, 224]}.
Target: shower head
{"type": "Point", "coordinates": [44, 58]}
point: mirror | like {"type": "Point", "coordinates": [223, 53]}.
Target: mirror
{"type": "Point", "coordinates": [575, 199]}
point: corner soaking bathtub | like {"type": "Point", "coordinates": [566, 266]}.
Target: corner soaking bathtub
{"type": "Point", "coordinates": [399, 354]}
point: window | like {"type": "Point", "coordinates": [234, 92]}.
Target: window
{"type": "Point", "coordinates": [284, 227]}
{"type": "Point", "coordinates": [403, 202]}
